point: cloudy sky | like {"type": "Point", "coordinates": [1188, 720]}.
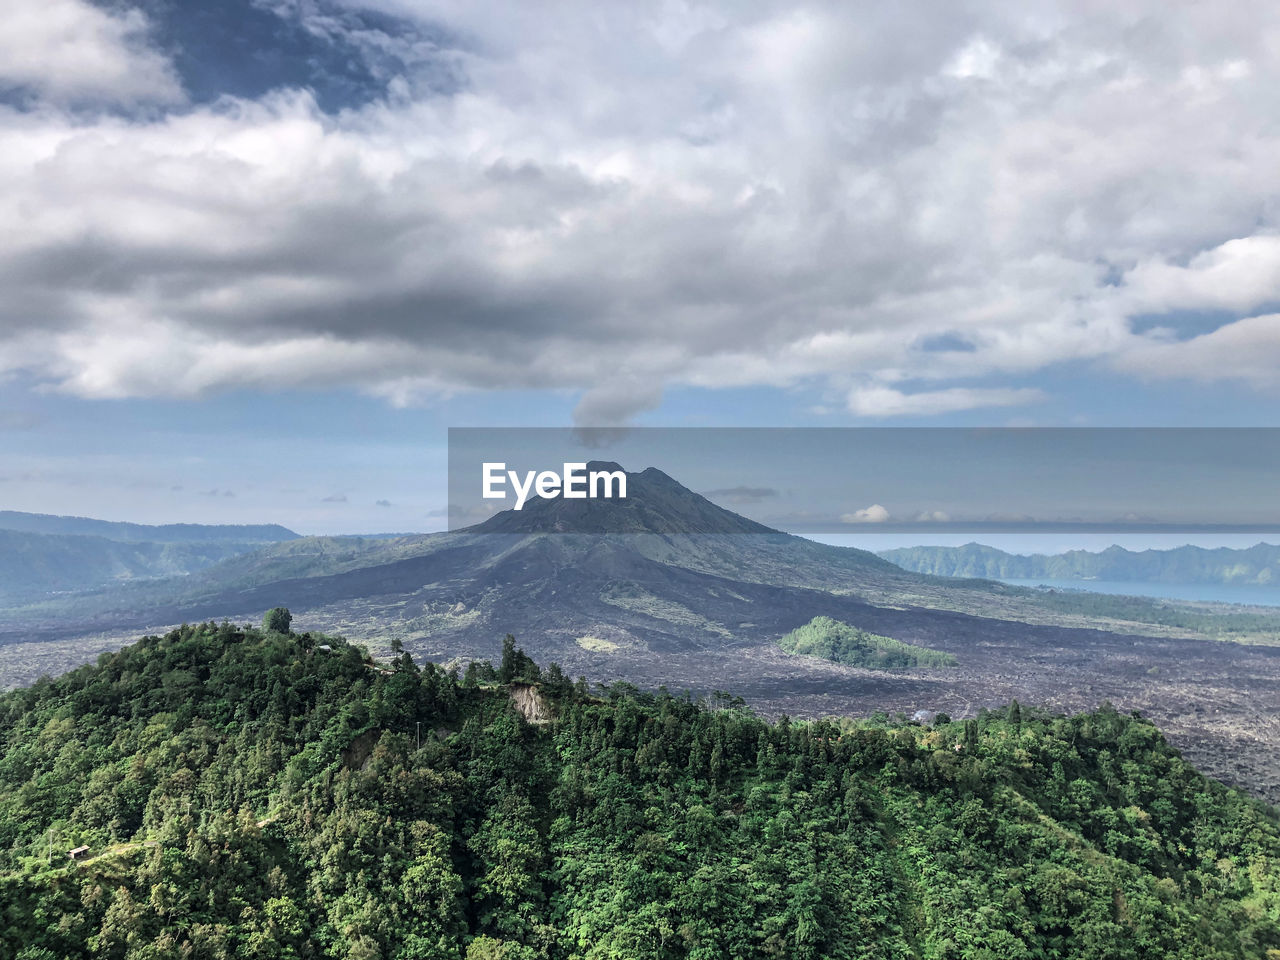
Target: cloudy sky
{"type": "Point", "coordinates": [257, 255]}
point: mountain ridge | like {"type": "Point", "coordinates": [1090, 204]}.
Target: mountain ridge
{"type": "Point", "coordinates": [59, 525]}
{"type": "Point", "coordinates": [1256, 565]}
{"type": "Point", "coordinates": [517, 563]}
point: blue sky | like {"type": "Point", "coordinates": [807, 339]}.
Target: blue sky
{"type": "Point", "coordinates": [258, 257]}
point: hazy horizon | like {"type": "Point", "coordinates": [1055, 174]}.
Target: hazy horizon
{"type": "Point", "coordinates": [1024, 544]}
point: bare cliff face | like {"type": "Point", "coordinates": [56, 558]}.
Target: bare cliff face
{"type": "Point", "coordinates": [530, 703]}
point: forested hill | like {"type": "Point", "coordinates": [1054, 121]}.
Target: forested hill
{"type": "Point", "coordinates": [1259, 564]}
{"type": "Point", "coordinates": [841, 643]}
{"type": "Point", "coordinates": [264, 794]}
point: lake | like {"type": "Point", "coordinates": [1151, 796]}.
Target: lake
{"type": "Point", "coordinates": [1203, 592]}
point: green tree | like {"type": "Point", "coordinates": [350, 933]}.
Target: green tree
{"type": "Point", "coordinates": [277, 620]}
{"type": "Point", "coordinates": [516, 664]}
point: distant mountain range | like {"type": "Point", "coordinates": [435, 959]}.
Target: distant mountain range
{"type": "Point", "coordinates": [141, 532]}
{"type": "Point", "coordinates": [1259, 564]}
{"type": "Point", "coordinates": [649, 584]}
{"type": "Point", "coordinates": [679, 573]}
{"type": "Point", "coordinates": [42, 555]}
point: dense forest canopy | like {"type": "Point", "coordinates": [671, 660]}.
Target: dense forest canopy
{"type": "Point", "coordinates": [832, 640]}
{"type": "Point", "coordinates": [258, 793]}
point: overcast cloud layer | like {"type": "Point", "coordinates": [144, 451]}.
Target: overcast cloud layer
{"type": "Point", "coordinates": [913, 206]}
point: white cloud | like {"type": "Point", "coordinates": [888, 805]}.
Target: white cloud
{"type": "Point", "coordinates": [888, 402]}
{"type": "Point", "coordinates": [70, 50]}
{"type": "Point", "coordinates": [872, 514]}
{"type": "Point", "coordinates": [978, 58]}
{"type": "Point", "coordinates": [717, 196]}
{"type": "Point", "coordinates": [1236, 275]}
{"type": "Point", "coordinates": [1247, 350]}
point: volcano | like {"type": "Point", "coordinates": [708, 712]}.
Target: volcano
{"type": "Point", "coordinates": [678, 591]}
